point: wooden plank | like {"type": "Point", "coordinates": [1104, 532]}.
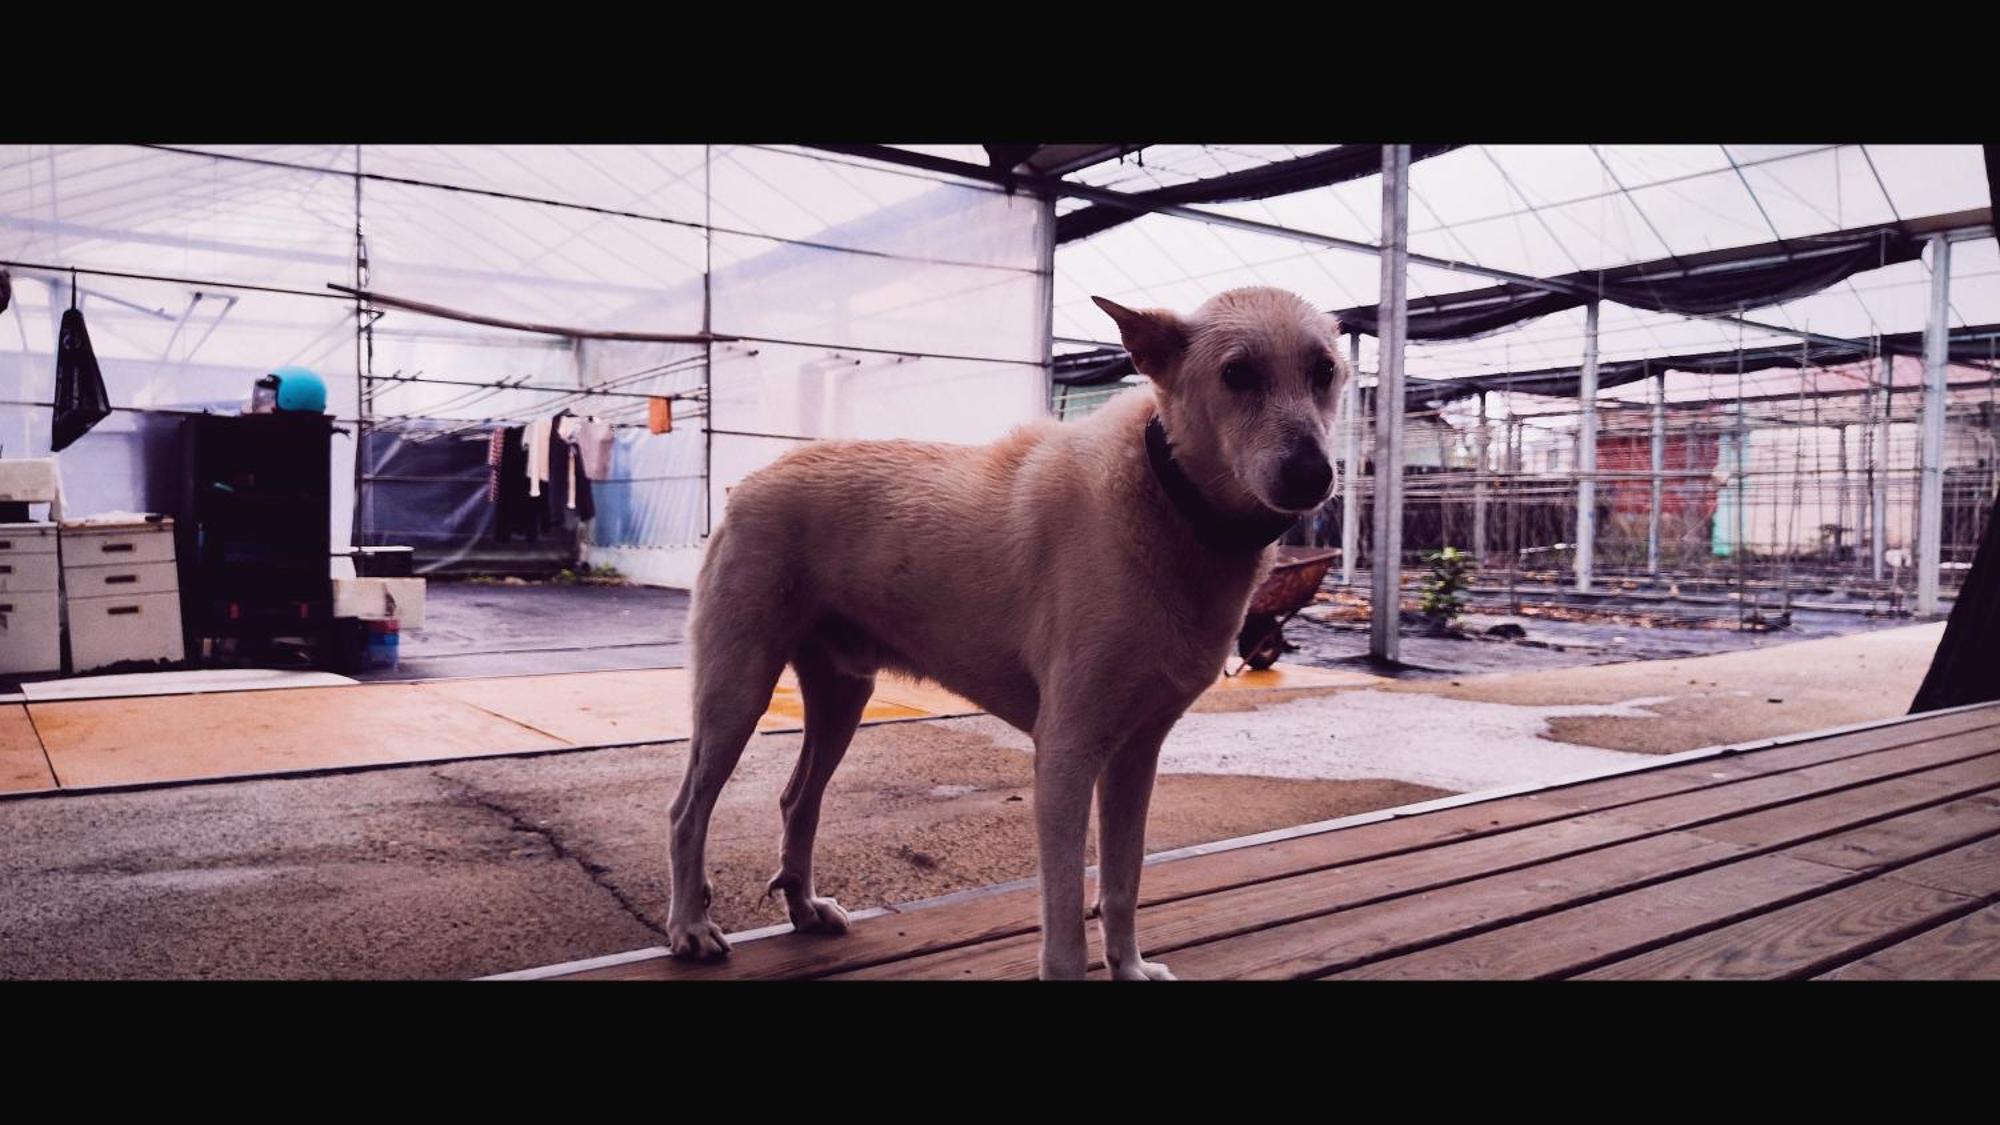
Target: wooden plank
{"type": "Point", "coordinates": [1547, 946]}
{"type": "Point", "coordinates": [1726, 800]}
{"type": "Point", "coordinates": [187, 737]}
{"type": "Point", "coordinates": [1798, 939]}
{"type": "Point", "coordinates": [1814, 936]}
{"type": "Point", "coordinates": [1013, 914]}
{"type": "Point", "coordinates": [1301, 899]}
{"type": "Point", "coordinates": [1800, 819]}
{"type": "Point", "coordinates": [1895, 840]}
{"type": "Point", "coordinates": [1966, 948]}
{"type": "Point", "coordinates": [1337, 931]}
{"type": "Point", "coordinates": [1973, 870]}
{"type": "Point", "coordinates": [1563, 943]}
{"type": "Point", "coordinates": [23, 766]}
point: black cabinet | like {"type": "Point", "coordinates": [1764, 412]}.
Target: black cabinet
{"type": "Point", "coordinates": [253, 533]}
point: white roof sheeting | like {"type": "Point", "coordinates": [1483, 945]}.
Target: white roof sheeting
{"type": "Point", "coordinates": [1548, 210]}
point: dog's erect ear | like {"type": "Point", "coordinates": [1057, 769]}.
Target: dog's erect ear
{"type": "Point", "coordinates": [1155, 337]}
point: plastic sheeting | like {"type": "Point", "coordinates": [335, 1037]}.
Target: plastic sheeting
{"type": "Point", "coordinates": [937, 287]}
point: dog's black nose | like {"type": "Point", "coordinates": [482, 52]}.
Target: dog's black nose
{"type": "Point", "coordinates": [1305, 476]}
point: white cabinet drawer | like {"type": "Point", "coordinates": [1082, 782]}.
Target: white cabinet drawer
{"type": "Point", "coordinates": [119, 581]}
{"type": "Point", "coordinates": [140, 627]}
{"type": "Point", "coordinates": [122, 547]}
{"type": "Point", "coordinates": [27, 572]}
{"type": "Point", "coordinates": [27, 539]}
{"type": "Point", "coordinates": [29, 637]}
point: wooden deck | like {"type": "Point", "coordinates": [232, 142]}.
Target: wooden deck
{"type": "Point", "coordinates": [1863, 853]}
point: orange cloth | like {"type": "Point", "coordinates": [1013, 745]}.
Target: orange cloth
{"type": "Point", "coordinates": [660, 415]}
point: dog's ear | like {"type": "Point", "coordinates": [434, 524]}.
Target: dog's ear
{"type": "Point", "coordinates": [1155, 337]}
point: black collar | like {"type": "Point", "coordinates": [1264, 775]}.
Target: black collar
{"type": "Point", "coordinates": [1216, 531]}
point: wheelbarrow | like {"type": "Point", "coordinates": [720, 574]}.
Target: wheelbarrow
{"type": "Point", "coordinates": [1288, 589]}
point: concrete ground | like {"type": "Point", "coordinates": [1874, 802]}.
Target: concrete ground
{"type": "Point", "coordinates": [492, 628]}
{"type": "Point", "coordinates": [480, 867]}
{"type": "Point", "coordinates": [486, 866]}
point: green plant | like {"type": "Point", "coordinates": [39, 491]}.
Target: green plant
{"type": "Point", "coordinates": [1444, 587]}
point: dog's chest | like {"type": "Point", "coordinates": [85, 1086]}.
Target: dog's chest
{"type": "Point", "coordinates": [1193, 618]}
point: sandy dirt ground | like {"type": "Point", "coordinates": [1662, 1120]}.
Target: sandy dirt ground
{"type": "Point", "coordinates": [481, 867]}
{"type": "Point", "coordinates": [488, 866]}
{"type": "Point", "coordinates": [1776, 688]}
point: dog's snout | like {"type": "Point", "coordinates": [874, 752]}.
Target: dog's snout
{"type": "Point", "coordinates": [1305, 476]}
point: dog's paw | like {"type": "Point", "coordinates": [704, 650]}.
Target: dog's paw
{"type": "Point", "coordinates": [702, 941]}
{"type": "Point", "coordinates": [817, 916]}
{"type": "Point", "coordinates": [809, 913]}
{"type": "Point", "coordinates": [1142, 970]}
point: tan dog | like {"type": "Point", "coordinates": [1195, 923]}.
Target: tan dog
{"type": "Point", "coordinates": [1081, 581]}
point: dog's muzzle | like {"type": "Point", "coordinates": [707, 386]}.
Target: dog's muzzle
{"type": "Point", "coordinates": [1305, 477]}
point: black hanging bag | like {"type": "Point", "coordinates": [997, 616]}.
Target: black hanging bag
{"type": "Point", "coordinates": [81, 401]}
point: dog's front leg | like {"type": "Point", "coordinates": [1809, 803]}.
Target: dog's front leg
{"type": "Point", "coordinates": [1123, 794]}
{"type": "Point", "coordinates": [1063, 774]}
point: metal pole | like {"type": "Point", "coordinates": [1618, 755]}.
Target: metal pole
{"type": "Point", "coordinates": [1482, 446]}
{"type": "Point", "coordinates": [1845, 533]}
{"type": "Point", "coordinates": [1878, 473]}
{"type": "Point", "coordinates": [1350, 449]}
{"type": "Point", "coordinates": [1386, 562]}
{"type": "Point", "coordinates": [1930, 521]}
{"type": "Point", "coordinates": [1046, 266]}
{"type": "Point", "coordinates": [363, 519]}
{"type": "Point", "coordinates": [708, 346]}
{"type": "Point", "coordinates": [1586, 455]}
{"type": "Point", "coordinates": [1659, 464]}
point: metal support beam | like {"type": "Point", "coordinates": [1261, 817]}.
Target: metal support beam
{"type": "Point", "coordinates": [1659, 465]}
{"type": "Point", "coordinates": [1586, 455]}
{"type": "Point", "coordinates": [1350, 466]}
{"type": "Point", "coordinates": [1482, 447]}
{"type": "Point", "coordinates": [1386, 561]}
{"type": "Point", "coordinates": [1930, 495]}
{"type": "Point", "coordinates": [1848, 523]}
{"type": "Point", "coordinates": [1055, 186]}
{"type": "Point", "coordinates": [1878, 472]}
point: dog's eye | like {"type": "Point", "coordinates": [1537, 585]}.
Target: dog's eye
{"type": "Point", "coordinates": [1240, 375]}
{"type": "Point", "coordinates": [1322, 373]}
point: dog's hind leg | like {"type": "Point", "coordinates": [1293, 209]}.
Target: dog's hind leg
{"type": "Point", "coordinates": [834, 700]}
{"type": "Point", "coordinates": [737, 659]}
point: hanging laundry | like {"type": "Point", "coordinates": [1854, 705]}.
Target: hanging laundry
{"type": "Point", "coordinates": [81, 400]}
{"type": "Point", "coordinates": [518, 514]}
{"type": "Point", "coordinates": [660, 415]}
{"type": "Point", "coordinates": [594, 440]}
{"type": "Point", "coordinates": [567, 426]}
{"type": "Point", "coordinates": [496, 442]}
{"type": "Point", "coordinates": [569, 488]}
{"type": "Point", "coordinates": [536, 442]}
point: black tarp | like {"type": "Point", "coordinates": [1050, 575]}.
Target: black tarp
{"type": "Point", "coordinates": [81, 400]}
{"type": "Point", "coordinates": [1695, 285]}
{"type": "Point", "coordinates": [1282, 177]}
{"type": "Point", "coordinates": [1968, 345]}
{"type": "Point", "coordinates": [1966, 666]}
{"type": "Point", "coordinates": [424, 485]}
{"type": "Point", "coordinates": [1718, 282]}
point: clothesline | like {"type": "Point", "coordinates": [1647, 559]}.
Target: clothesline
{"type": "Point", "coordinates": [504, 385]}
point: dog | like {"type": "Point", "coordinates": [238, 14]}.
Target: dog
{"type": "Point", "coordinates": [1082, 581]}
